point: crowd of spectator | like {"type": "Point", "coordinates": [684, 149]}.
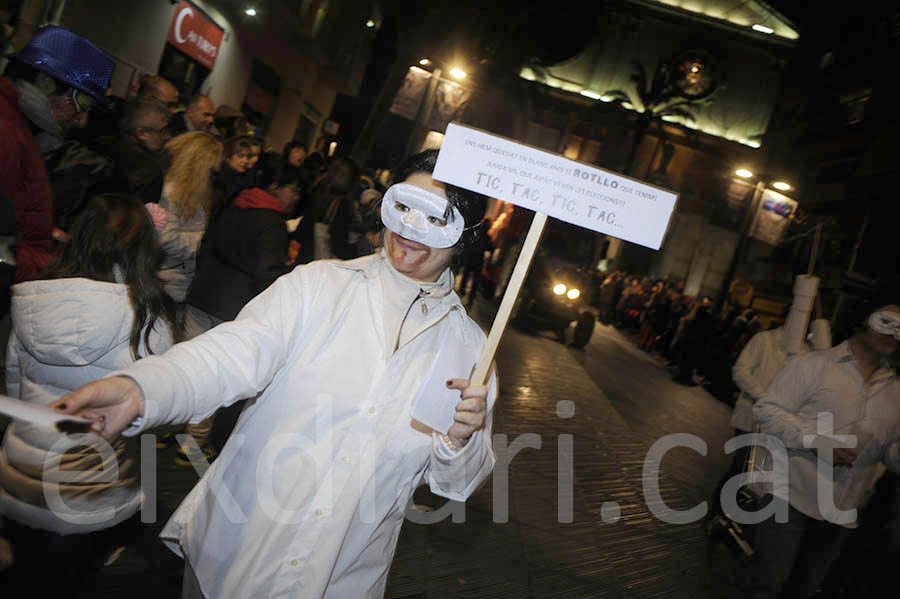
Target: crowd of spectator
{"type": "Point", "coordinates": [686, 331]}
{"type": "Point", "coordinates": [163, 214]}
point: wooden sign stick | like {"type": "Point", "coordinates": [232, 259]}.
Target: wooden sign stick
{"type": "Point", "coordinates": [480, 374]}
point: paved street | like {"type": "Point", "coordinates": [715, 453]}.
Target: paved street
{"type": "Point", "coordinates": [623, 401]}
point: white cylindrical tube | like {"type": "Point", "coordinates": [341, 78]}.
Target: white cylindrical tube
{"type": "Point", "coordinates": [820, 329]}
{"type": "Point", "coordinates": [805, 289]}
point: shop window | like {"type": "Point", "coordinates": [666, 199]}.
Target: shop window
{"type": "Point", "coordinates": [184, 72]}
{"type": "Point", "coordinates": [262, 96]}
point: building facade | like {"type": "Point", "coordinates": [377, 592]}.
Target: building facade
{"type": "Point", "coordinates": [282, 65]}
{"type": "Point", "coordinates": [729, 60]}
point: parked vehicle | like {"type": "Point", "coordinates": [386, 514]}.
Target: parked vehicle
{"type": "Point", "coordinates": [554, 296]}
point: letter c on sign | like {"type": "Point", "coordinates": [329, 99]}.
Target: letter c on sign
{"type": "Point", "coordinates": [184, 12]}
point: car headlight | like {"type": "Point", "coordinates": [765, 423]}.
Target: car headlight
{"type": "Point", "coordinates": [559, 289]}
{"type": "Point", "coordinates": [573, 294]}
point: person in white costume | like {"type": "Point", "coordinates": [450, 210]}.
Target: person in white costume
{"type": "Point", "coordinates": [835, 412]}
{"type": "Point", "coordinates": [308, 496]}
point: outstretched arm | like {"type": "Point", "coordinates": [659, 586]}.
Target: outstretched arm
{"type": "Point", "coordinates": [233, 361]}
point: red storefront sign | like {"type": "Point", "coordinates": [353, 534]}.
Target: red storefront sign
{"type": "Point", "coordinates": [195, 35]}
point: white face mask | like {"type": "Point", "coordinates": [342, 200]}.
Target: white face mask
{"type": "Point", "coordinates": [886, 323]}
{"type": "Point", "coordinates": [420, 215]}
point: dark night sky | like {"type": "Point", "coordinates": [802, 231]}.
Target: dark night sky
{"type": "Point", "coordinates": [796, 10]}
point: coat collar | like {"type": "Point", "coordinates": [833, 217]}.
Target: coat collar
{"type": "Point", "coordinates": [369, 267]}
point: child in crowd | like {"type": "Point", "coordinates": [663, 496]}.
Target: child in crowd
{"type": "Point", "coordinates": [70, 500]}
{"type": "Point", "coordinates": [235, 175]}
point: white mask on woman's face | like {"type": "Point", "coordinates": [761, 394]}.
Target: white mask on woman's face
{"type": "Point", "coordinates": [420, 215]}
{"type": "Point", "coordinates": [885, 323]}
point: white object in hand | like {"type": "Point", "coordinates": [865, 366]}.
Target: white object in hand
{"type": "Point", "coordinates": [35, 413]}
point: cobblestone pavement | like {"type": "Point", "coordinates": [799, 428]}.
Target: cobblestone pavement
{"type": "Point", "coordinates": [623, 401]}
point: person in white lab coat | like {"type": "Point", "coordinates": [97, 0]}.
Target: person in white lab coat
{"type": "Point", "coordinates": [756, 367]}
{"type": "Point", "coordinates": [308, 496]}
{"type": "Point", "coordinates": [854, 386]}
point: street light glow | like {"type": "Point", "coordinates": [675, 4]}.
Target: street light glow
{"type": "Point", "coordinates": [742, 172]}
{"type": "Point", "coordinates": [781, 186]}
{"type": "Point", "coordinates": [763, 28]}
{"type": "Point", "coordinates": [424, 62]}
{"type": "Point", "coordinates": [589, 94]}
{"type": "Point", "coordinates": [606, 98]}
{"type": "Point", "coordinates": [250, 12]}
{"type": "Point", "coordinates": [370, 23]}
{"type": "Point", "coordinates": [459, 73]}
{"type": "Point", "coordinates": [559, 289]}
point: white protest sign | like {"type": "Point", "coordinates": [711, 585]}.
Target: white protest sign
{"type": "Point", "coordinates": [577, 193]}
{"type": "Point", "coordinates": [550, 185]}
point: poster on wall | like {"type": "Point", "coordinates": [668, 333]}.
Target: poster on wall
{"type": "Point", "coordinates": [409, 97]}
{"type": "Point", "coordinates": [774, 216]}
{"type": "Point", "coordinates": [450, 100]}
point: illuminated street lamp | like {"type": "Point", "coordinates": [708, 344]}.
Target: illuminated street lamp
{"type": "Point", "coordinates": [742, 172]}
{"type": "Point", "coordinates": [781, 186]}
{"type": "Point", "coordinates": [424, 62]}
{"type": "Point", "coordinates": [250, 12]}
{"type": "Point", "coordinates": [458, 73]}
{"type": "Point", "coordinates": [370, 23]}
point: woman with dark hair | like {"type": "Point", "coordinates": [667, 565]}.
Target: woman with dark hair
{"type": "Point", "coordinates": [99, 308]}
{"type": "Point", "coordinates": [329, 219]}
{"type": "Point", "coordinates": [326, 457]}
{"type": "Point", "coordinates": [294, 153]}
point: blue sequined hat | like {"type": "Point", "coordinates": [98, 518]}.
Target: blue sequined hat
{"type": "Point", "coordinates": [69, 58]}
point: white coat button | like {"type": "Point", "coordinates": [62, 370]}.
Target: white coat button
{"type": "Point", "coordinates": [294, 562]}
{"type": "Point", "coordinates": [319, 512]}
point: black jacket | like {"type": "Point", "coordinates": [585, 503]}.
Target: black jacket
{"type": "Point", "coordinates": [177, 126]}
{"type": "Point", "coordinates": [228, 183]}
{"type": "Point", "coordinates": [138, 170]}
{"type": "Point", "coordinates": [243, 251]}
{"type": "Point", "coordinates": [76, 172]}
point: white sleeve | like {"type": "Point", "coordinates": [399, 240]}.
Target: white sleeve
{"type": "Point", "coordinates": [232, 361]}
{"type": "Point", "coordinates": [457, 474]}
{"type": "Point", "coordinates": [743, 370]}
{"type": "Point", "coordinates": [776, 412]}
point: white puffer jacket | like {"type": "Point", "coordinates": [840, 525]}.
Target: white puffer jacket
{"type": "Point", "coordinates": [67, 332]}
